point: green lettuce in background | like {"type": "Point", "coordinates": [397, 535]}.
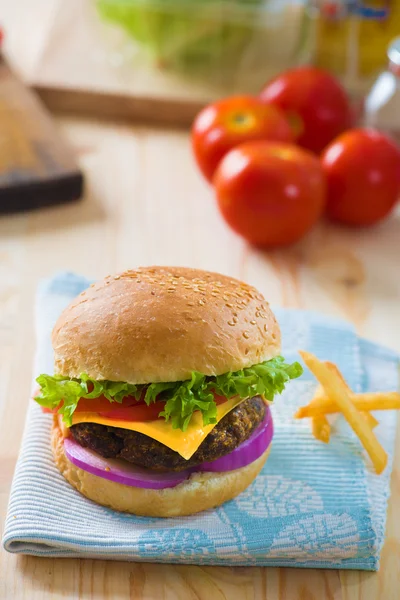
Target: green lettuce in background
{"type": "Point", "coordinates": [186, 33]}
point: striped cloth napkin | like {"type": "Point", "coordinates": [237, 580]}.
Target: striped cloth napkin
{"type": "Point", "coordinates": [313, 505]}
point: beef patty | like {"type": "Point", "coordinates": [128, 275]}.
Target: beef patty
{"type": "Point", "coordinates": [137, 448]}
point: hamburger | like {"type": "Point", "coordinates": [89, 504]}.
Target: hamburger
{"type": "Point", "coordinates": [161, 391]}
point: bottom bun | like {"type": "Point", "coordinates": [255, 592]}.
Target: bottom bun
{"type": "Point", "coordinates": [200, 492]}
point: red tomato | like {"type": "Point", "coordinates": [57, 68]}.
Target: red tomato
{"type": "Point", "coordinates": [315, 103]}
{"type": "Point", "coordinates": [140, 412]}
{"type": "Point", "coordinates": [221, 126]}
{"type": "Point", "coordinates": [271, 194]}
{"type": "Point", "coordinates": [129, 409]}
{"type": "Point", "coordinates": [102, 404]}
{"type": "Point", "coordinates": [362, 169]}
{"type": "Point", "coordinates": [50, 410]}
{"type": "Point", "coordinates": [219, 399]}
{"type": "Point", "coordinates": [94, 404]}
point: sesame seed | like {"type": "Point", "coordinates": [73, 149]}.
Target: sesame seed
{"type": "Point", "coordinates": [228, 305]}
{"type": "Point", "coordinates": [266, 329]}
{"type": "Point", "coordinates": [246, 335]}
{"type": "Point", "coordinates": [231, 323]}
{"type": "Point", "coordinates": [253, 322]}
{"type": "Point", "coordinates": [202, 302]}
{"type": "Point", "coordinates": [152, 293]}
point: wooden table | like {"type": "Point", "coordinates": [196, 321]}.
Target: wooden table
{"type": "Point", "coordinates": [146, 204]}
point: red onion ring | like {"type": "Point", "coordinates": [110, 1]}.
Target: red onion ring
{"type": "Point", "coordinates": [247, 452]}
{"type": "Point", "coordinates": [120, 471]}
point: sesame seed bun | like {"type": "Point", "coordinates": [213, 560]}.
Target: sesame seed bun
{"type": "Point", "coordinates": [160, 324]}
{"type": "Point", "coordinates": [200, 492]}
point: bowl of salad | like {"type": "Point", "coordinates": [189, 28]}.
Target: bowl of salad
{"type": "Point", "coordinates": [219, 39]}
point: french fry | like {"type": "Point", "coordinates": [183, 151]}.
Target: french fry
{"type": "Point", "coordinates": [336, 389]}
{"type": "Point", "coordinates": [364, 402]}
{"type": "Point", "coordinates": [335, 370]}
{"type": "Point", "coordinates": [318, 399]}
{"type": "Point", "coordinates": [321, 429]}
{"type": "Point", "coordinates": [370, 419]}
{"type": "Point", "coordinates": [320, 426]}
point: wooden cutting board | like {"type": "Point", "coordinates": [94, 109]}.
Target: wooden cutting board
{"type": "Point", "coordinates": [79, 71]}
{"type": "Point", "coordinates": [37, 168]}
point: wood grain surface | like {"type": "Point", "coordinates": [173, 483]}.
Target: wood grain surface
{"type": "Point", "coordinates": [146, 204]}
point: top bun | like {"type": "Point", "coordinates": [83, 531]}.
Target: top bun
{"type": "Point", "coordinates": [161, 323]}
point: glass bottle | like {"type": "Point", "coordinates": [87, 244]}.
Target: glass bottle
{"type": "Point", "coordinates": [382, 104]}
{"type": "Point", "coordinates": [352, 37]}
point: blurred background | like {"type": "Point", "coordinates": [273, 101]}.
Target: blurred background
{"type": "Point", "coordinates": [110, 160]}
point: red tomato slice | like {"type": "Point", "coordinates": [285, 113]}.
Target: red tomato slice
{"type": "Point", "coordinates": [140, 412]}
{"type": "Point", "coordinates": [51, 410]}
{"type": "Point", "coordinates": [101, 404]}
{"type": "Point", "coordinates": [219, 399]}
{"type": "Point", "coordinates": [129, 409]}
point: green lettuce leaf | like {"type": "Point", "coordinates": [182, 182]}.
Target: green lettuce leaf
{"type": "Point", "coordinates": [182, 398]}
{"type": "Point", "coordinates": [56, 388]}
{"type": "Point", "coordinates": [188, 34]}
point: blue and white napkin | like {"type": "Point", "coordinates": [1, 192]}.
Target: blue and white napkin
{"type": "Point", "coordinates": [313, 505]}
